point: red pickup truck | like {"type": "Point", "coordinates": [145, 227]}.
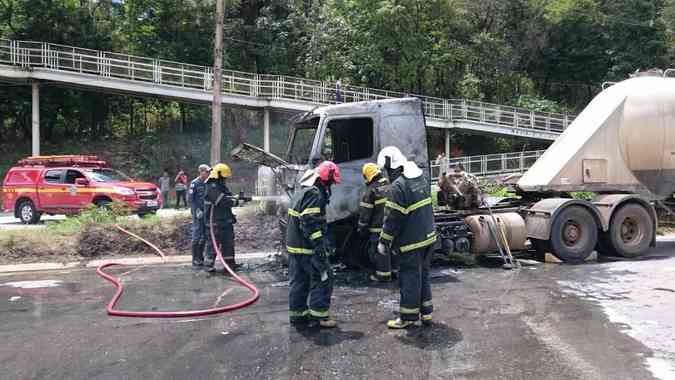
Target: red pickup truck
{"type": "Point", "coordinates": [67, 184]}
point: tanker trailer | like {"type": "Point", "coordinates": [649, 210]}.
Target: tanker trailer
{"type": "Point", "coordinates": [622, 148]}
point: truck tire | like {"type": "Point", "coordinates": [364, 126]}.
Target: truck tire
{"type": "Point", "coordinates": [574, 235]}
{"type": "Point", "coordinates": [103, 204]}
{"type": "Point", "coordinates": [27, 213]}
{"type": "Point", "coordinates": [630, 231]}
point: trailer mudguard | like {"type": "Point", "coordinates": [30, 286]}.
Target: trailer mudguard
{"type": "Point", "coordinates": [540, 216]}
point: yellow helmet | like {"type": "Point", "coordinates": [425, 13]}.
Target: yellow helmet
{"type": "Point", "coordinates": [220, 171]}
{"type": "Point", "coordinates": [370, 170]}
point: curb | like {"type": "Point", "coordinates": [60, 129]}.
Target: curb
{"type": "Point", "coordinates": [142, 260]}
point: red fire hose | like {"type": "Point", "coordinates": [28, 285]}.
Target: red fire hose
{"type": "Point", "coordinates": [174, 314]}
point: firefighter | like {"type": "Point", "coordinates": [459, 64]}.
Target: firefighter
{"type": "Point", "coordinates": [371, 215]}
{"type": "Point", "coordinates": [311, 277]}
{"type": "Point", "coordinates": [219, 199]}
{"type": "Point", "coordinates": [409, 231]}
{"type": "Point", "coordinates": [196, 195]}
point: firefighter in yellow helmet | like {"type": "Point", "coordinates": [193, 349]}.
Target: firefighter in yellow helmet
{"type": "Point", "coordinates": [218, 203]}
{"type": "Point", "coordinates": [371, 216]}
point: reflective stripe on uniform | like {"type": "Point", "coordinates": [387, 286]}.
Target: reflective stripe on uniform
{"type": "Point", "coordinates": [308, 211]}
{"type": "Point", "coordinates": [418, 245]}
{"type": "Point", "coordinates": [419, 204]}
{"type": "Point", "coordinates": [427, 304]}
{"type": "Point", "coordinates": [316, 235]}
{"type": "Point", "coordinates": [411, 208]}
{"type": "Point", "coordinates": [392, 205]}
{"type": "Point", "coordinates": [386, 236]}
{"type": "Point", "coordinates": [381, 201]}
{"type": "Point", "coordinates": [366, 205]}
{"type": "Point", "coordinates": [383, 274]}
{"type": "Point", "coordinates": [318, 314]}
{"type": "Point", "coordinates": [407, 310]}
{"type": "Point", "coordinates": [375, 230]}
{"type": "Point", "coordinates": [299, 251]}
{"type": "Point", "coordinates": [295, 314]}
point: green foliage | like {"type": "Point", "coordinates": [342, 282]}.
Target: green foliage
{"type": "Point", "coordinates": [547, 55]}
{"type": "Point", "coordinates": [90, 215]}
{"type": "Point", "coordinates": [498, 191]}
{"type": "Point", "coordinates": [585, 195]}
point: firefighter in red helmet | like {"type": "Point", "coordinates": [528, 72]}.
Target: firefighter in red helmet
{"type": "Point", "coordinates": [311, 277]}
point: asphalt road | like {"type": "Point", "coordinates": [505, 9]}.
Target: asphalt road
{"type": "Point", "coordinates": [612, 320]}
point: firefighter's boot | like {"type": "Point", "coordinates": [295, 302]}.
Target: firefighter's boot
{"type": "Point", "coordinates": [329, 323]}
{"type": "Point", "coordinates": [427, 319]}
{"type": "Point", "coordinates": [398, 324]}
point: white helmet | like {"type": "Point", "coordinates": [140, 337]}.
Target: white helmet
{"type": "Point", "coordinates": [396, 158]}
{"type": "Point", "coordinates": [411, 170]}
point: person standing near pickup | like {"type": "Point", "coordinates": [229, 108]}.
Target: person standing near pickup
{"type": "Point", "coordinates": [181, 188]}
{"type": "Point", "coordinates": [165, 188]}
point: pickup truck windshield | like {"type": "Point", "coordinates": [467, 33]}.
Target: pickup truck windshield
{"type": "Point", "coordinates": [108, 175]}
{"type": "Point", "coordinates": [301, 145]}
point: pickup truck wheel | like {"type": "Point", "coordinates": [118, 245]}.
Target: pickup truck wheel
{"type": "Point", "coordinates": [28, 214]}
{"type": "Point", "coordinates": [630, 231]}
{"type": "Point", "coordinates": [102, 204]}
{"type": "Point", "coordinates": [574, 235]}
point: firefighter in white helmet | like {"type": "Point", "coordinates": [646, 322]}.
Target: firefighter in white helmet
{"type": "Point", "coordinates": [408, 231]}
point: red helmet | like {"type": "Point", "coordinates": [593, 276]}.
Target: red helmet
{"type": "Point", "coordinates": [329, 172]}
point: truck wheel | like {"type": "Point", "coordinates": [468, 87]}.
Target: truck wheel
{"type": "Point", "coordinates": [28, 214]}
{"type": "Point", "coordinates": [574, 235]}
{"type": "Point", "coordinates": [102, 204]}
{"type": "Point", "coordinates": [630, 232]}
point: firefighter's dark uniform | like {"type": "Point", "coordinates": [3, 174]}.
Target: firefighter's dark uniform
{"type": "Point", "coordinates": [371, 216]}
{"type": "Point", "coordinates": [199, 235]}
{"type": "Point", "coordinates": [409, 230]}
{"type": "Point", "coordinates": [218, 195]}
{"type": "Point", "coordinates": [309, 271]}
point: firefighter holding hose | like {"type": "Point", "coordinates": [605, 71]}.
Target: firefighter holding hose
{"type": "Point", "coordinates": [371, 216]}
{"type": "Point", "coordinates": [408, 230]}
{"type": "Point", "coordinates": [218, 200]}
{"type": "Point", "coordinates": [311, 277]}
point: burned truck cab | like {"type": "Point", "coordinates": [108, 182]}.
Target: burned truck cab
{"type": "Point", "coordinates": [351, 135]}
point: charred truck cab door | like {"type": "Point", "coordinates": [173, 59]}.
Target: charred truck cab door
{"type": "Point", "coordinates": [350, 141]}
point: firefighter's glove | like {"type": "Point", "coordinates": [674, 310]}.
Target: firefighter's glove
{"type": "Point", "coordinates": [320, 262]}
{"type": "Point", "coordinates": [234, 219]}
{"type": "Point", "coordinates": [382, 249]}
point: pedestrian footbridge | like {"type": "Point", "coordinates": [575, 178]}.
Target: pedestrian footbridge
{"type": "Point", "coordinates": [34, 62]}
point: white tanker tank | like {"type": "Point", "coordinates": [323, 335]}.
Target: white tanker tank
{"type": "Point", "coordinates": [621, 147]}
{"type": "Point", "coordinates": [623, 141]}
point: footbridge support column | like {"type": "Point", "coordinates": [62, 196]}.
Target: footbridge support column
{"type": "Point", "coordinates": [36, 119]}
{"type": "Point", "coordinates": [266, 130]}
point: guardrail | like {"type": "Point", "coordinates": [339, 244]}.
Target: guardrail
{"type": "Point", "coordinates": [489, 164]}
{"type": "Point", "coordinates": [31, 54]}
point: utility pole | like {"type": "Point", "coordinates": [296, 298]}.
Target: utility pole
{"type": "Point", "coordinates": [216, 107]}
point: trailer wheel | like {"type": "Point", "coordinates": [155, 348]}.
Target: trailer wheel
{"type": "Point", "coordinates": [630, 231]}
{"type": "Point", "coordinates": [574, 235]}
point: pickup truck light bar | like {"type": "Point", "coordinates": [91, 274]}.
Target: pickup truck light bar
{"type": "Point", "coordinates": [69, 160]}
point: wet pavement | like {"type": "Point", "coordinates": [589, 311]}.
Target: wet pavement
{"type": "Point", "coordinates": [612, 320]}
